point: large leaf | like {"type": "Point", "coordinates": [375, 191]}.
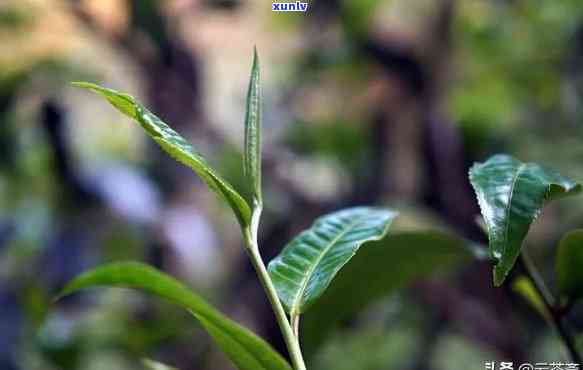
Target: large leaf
{"type": "Point", "coordinates": [511, 195]}
{"type": "Point", "coordinates": [176, 146]}
{"type": "Point", "coordinates": [307, 265]}
{"type": "Point", "coordinates": [569, 266]}
{"type": "Point", "coordinates": [252, 158]}
{"type": "Point", "coordinates": [379, 269]}
{"type": "Point", "coordinates": [244, 349]}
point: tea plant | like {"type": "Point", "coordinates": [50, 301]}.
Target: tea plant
{"type": "Point", "coordinates": [511, 195]}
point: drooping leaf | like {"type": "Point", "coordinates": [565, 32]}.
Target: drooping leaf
{"type": "Point", "coordinates": [252, 158]}
{"type": "Point", "coordinates": [175, 145]}
{"type": "Point", "coordinates": [511, 195]}
{"type": "Point", "coordinates": [307, 265]}
{"type": "Point", "coordinates": [379, 269]}
{"type": "Point", "coordinates": [154, 365]}
{"type": "Point", "coordinates": [244, 349]}
{"type": "Point", "coordinates": [569, 266]}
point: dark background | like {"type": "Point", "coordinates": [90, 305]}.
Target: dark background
{"type": "Point", "coordinates": [366, 102]}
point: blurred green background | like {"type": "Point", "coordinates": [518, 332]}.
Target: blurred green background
{"type": "Point", "coordinates": [366, 102]}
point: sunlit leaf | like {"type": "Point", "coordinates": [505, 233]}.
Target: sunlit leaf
{"type": "Point", "coordinates": [307, 265]}
{"type": "Point", "coordinates": [252, 158]}
{"type": "Point", "coordinates": [379, 269]}
{"type": "Point", "coordinates": [244, 349]}
{"type": "Point", "coordinates": [569, 266]}
{"type": "Point", "coordinates": [511, 195]}
{"type": "Point", "coordinates": [176, 146]}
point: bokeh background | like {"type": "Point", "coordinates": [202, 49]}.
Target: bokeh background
{"type": "Point", "coordinates": [366, 102]}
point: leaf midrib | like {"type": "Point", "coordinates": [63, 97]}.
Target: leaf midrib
{"type": "Point", "coordinates": [297, 298]}
{"type": "Point", "coordinates": [508, 206]}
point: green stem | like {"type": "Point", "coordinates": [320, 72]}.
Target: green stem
{"type": "Point", "coordinates": [295, 324]}
{"type": "Point", "coordinates": [290, 339]}
{"type": "Point", "coordinates": [554, 313]}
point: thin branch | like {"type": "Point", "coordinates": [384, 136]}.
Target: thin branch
{"type": "Point", "coordinates": [556, 316]}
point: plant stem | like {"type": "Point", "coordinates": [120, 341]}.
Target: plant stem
{"type": "Point", "coordinates": [554, 312]}
{"type": "Point", "coordinates": [291, 341]}
{"type": "Point", "coordinates": [295, 324]}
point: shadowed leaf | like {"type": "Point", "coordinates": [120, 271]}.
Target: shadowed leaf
{"type": "Point", "coordinates": [379, 269]}
{"type": "Point", "coordinates": [569, 266]}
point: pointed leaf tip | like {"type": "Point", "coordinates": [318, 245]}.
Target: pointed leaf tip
{"type": "Point", "coordinates": [511, 195]}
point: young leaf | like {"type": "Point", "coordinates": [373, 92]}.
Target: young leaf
{"type": "Point", "coordinates": [511, 195]}
{"type": "Point", "coordinates": [379, 269]}
{"type": "Point", "coordinates": [307, 265]}
{"type": "Point", "coordinates": [153, 365]}
{"type": "Point", "coordinates": [176, 146]}
{"type": "Point", "coordinates": [252, 158]}
{"type": "Point", "coordinates": [569, 268]}
{"type": "Point", "coordinates": [244, 349]}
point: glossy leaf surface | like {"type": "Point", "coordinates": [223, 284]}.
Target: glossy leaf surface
{"type": "Point", "coordinates": [175, 145]}
{"type": "Point", "coordinates": [252, 158]}
{"type": "Point", "coordinates": [379, 269]}
{"type": "Point", "coordinates": [569, 268]}
{"type": "Point", "coordinates": [307, 265]}
{"type": "Point", "coordinates": [511, 195]}
{"type": "Point", "coordinates": [244, 349]}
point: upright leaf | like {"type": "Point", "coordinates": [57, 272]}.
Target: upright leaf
{"type": "Point", "coordinates": [244, 349]}
{"type": "Point", "coordinates": [569, 268]}
{"type": "Point", "coordinates": [176, 146]}
{"type": "Point", "coordinates": [511, 195]}
{"type": "Point", "coordinates": [379, 269]}
{"type": "Point", "coordinates": [307, 265]}
{"type": "Point", "coordinates": [252, 158]}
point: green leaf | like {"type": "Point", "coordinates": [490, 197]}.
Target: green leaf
{"type": "Point", "coordinates": [176, 146]}
{"type": "Point", "coordinates": [307, 265]}
{"type": "Point", "coordinates": [511, 195]}
{"type": "Point", "coordinates": [379, 269]}
{"type": "Point", "coordinates": [252, 158]}
{"type": "Point", "coordinates": [153, 365]}
{"type": "Point", "coordinates": [569, 266]}
{"type": "Point", "coordinates": [244, 349]}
